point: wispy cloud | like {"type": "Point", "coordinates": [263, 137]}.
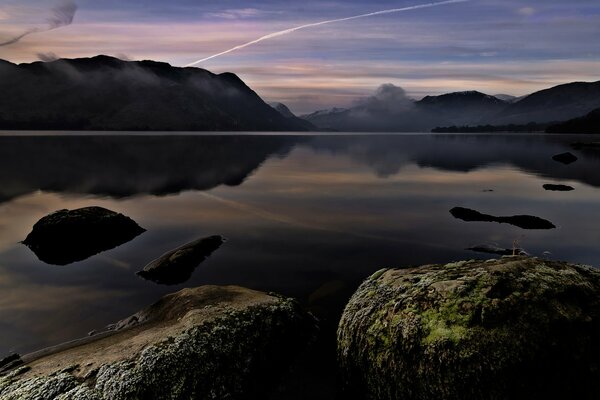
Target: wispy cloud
{"type": "Point", "coordinates": [63, 15]}
{"type": "Point", "coordinates": [238, 13]}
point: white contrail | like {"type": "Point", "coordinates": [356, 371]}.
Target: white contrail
{"type": "Point", "coordinates": [285, 32]}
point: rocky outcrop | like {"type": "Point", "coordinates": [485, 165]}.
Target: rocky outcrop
{"type": "Point", "coordinates": [205, 343]}
{"type": "Point", "coordinates": [176, 266]}
{"type": "Point", "coordinates": [67, 236]}
{"type": "Point", "coordinates": [517, 327]}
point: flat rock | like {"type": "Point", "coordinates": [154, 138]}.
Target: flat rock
{"type": "Point", "coordinates": [209, 342]}
{"type": "Point", "coordinates": [67, 236]}
{"type": "Point", "coordinates": [177, 266]}
{"type": "Point", "coordinates": [521, 221]}
{"type": "Point", "coordinates": [512, 328]}
{"type": "Point", "coordinates": [565, 158]}
{"type": "Point", "coordinates": [558, 188]}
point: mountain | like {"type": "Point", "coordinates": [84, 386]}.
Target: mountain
{"type": "Point", "coordinates": [558, 103]}
{"type": "Point", "coordinates": [389, 109]}
{"type": "Point", "coordinates": [507, 98]}
{"type": "Point", "coordinates": [589, 123]}
{"type": "Point", "coordinates": [285, 111]}
{"type": "Point", "coordinates": [105, 93]}
{"type": "Point", "coordinates": [460, 108]}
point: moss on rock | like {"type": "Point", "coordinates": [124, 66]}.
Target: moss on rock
{"type": "Point", "coordinates": [518, 327]}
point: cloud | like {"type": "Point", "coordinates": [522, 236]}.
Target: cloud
{"type": "Point", "coordinates": [47, 57]}
{"type": "Point", "coordinates": [388, 98]}
{"type": "Point", "coordinates": [526, 11]}
{"type": "Point", "coordinates": [4, 15]}
{"type": "Point", "coordinates": [239, 13]}
{"type": "Point", "coordinates": [63, 15]}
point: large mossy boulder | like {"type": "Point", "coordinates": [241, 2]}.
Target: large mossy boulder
{"type": "Point", "coordinates": [66, 236]}
{"type": "Point", "coordinates": [512, 328]}
{"type": "Point", "coordinates": [209, 342]}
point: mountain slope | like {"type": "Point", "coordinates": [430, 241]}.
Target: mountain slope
{"type": "Point", "coordinates": [460, 108]}
{"type": "Point", "coordinates": [558, 103]}
{"type": "Point", "coordinates": [105, 93]}
{"type": "Point", "coordinates": [288, 114]}
{"type": "Point", "coordinates": [589, 123]}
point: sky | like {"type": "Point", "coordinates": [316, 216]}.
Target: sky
{"type": "Point", "coordinates": [494, 46]}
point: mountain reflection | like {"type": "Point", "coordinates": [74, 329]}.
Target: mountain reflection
{"type": "Point", "coordinates": [123, 166]}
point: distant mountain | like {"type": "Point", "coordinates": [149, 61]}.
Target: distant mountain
{"type": "Point", "coordinates": [558, 103]}
{"type": "Point", "coordinates": [285, 111]}
{"type": "Point", "coordinates": [391, 110]}
{"type": "Point", "coordinates": [507, 98]}
{"type": "Point", "coordinates": [460, 108]}
{"type": "Point", "coordinates": [587, 124]}
{"type": "Point", "coordinates": [105, 93]}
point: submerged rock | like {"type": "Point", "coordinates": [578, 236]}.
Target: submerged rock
{"type": "Point", "coordinates": [205, 343]}
{"type": "Point", "coordinates": [521, 221]}
{"type": "Point", "coordinates": [558, 188]}
{"type": "Point", "coordinates": [176, 266]}
{"type": "Point", "coordinates": [67, 236]}
{"type": "Point", "coordinates": [565, 158]}
{"type": "Point", "coordinates": [500, 251]}
{"type": "Point", "coordinates": [512, 328]}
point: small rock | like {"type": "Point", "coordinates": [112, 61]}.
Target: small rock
{"type": "Point", "coordinates": [67, 236]}
{"type": "Point", "coordinates": [565, 158]}
{"type": "Point", "coordinates": [558, 188]}
{"type": "Point", "coordinates": [521, 221]}
{"type": "Point", "coordinates": [176, 266]}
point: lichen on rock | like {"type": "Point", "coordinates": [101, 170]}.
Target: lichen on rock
{"type": "Point", "coordinates": [517, 327]}
{"type": "Point", "coordinates": [209, 342]}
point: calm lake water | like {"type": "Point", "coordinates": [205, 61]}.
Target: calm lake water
{"type": "Point", "coordinates": [306, 216]}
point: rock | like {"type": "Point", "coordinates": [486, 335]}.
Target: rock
{"type": "Point", "coordinates": [521, 221]}
{"type": "Point", "coordinates": [558, 188]}
{"type": "Point", "coordinates": [176, 266]}
{"type": "Point", "coordinates": [204, 343]}
{"type": "Point", "coordinates": [565, 158]}
{"type": "Point", "coordinates": [513, 328]}
{"type": "Point", "coordinates": [10, 362]}
{"type": "Point", "coordinates": [67, 236]}
{"type": "Point", "coordinates": [489, 249]}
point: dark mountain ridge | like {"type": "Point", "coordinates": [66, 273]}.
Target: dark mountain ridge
{"type": "Point", "coordinates": [463, 109]}
{"type": "Point", "coordinates": [106, 93]}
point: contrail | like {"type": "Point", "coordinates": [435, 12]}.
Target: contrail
{"type": "Point", "coordinates": [312, 25]}
{"type": "Point", "coordinates": [63, 16]}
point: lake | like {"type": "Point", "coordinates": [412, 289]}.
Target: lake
{"type": "Point", "coordinates": [308, 216]}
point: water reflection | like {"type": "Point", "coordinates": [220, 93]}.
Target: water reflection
{"type": "Point", "coordinates": [305, 216]}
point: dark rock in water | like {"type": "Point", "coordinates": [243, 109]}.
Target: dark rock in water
{"type": "Point", "coordinates": [521, 221]}
{"type": "Point", "coordinates": [67, 236]}
{"type": "Point", "coordinates": [565, 158]}
{"type": "Point", "coordinates": [176, 266]}
{"type": "Point", "coordinates": [485, 248]}
{"type": "Point", "coordinates": [209, 342]}
{"type": "Point", "coordinates": [514, 328]}
{"type": "Point", "coordinates": [558, 188]}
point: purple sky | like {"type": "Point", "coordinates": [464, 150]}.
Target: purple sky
{"type": "Point", "coordinates": [495, 46]}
